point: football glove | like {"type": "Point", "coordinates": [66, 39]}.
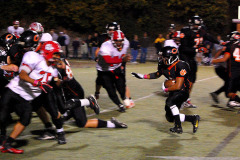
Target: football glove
{"type": "Point", "coordinates": [43, 86]}
{"type": "Point", "coordinates": [137, 75]}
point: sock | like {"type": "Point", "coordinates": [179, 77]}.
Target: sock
{"type": "Point", "coordinates": [10, 140]}
{"type": "Point", "coordinates": [182, 117]}
{"type": "Point", "coordinates": [60, 130]}
{"type": "Point", "coordinates": [102, 124]}
{"type": "Point", "coordinates": [177, 120]}
{"type": "Point", "coordinates": [220, 90]}
{"type": "Point", "coordinates": [84, 102]}
{"type": "Point", "coordinates": [189, 118]}
{"type": "Point", "coordinates": [48, 125]}
{"type": "Point", "coordinates": [110, 124]}
{"type": "Point", "coordinates": [175, 110]}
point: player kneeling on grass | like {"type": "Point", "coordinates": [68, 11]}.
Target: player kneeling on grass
{"type": "Point", "coordinates": [174, 69]}
{"type": "Point", "coordinates": [71, 94]}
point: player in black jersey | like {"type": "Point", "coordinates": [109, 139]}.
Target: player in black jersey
{"type": "Point", "coordinates": [71, 94]}
{"type": "Point", "coordinates": [191, 39]}
{"type": "Point", "coordinates": [232, 56]}
{"type": "Point", "coordinates": [175, 69]}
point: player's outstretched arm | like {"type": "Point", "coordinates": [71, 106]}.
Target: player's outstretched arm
{"type": "Point", "coordinates": [154, 75]}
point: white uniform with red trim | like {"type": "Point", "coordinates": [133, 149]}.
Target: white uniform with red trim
{"type": "Point", "coordinates": [107, 50]}
{"type": "Point", "coordinates": [36, 67]}
{"type": "Point", "coordinates": [17, 32]}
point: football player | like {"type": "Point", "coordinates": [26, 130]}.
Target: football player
{"type": "Point", "coordinates": [71, 94]}
{"type": "Point", "coordinates": [111, 55]}
{"type": "Point", "coordinates": [191, 39]}
{"type": "Point", "coordinates": [15, 29]}
{"type": "Point", "coordinates": [232, 55]}
{"type": "Point", "coordinates": [174, 69]}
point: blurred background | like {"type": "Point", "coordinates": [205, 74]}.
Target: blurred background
{"type": "Point", "coordinates": [83, 17]}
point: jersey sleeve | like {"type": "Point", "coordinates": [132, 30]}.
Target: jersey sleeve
{"type": "Point", "coordinates": [182, 70]}
{"type": "Point", "coordinates": [29, 61]}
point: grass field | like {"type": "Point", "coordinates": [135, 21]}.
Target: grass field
{"type": "Point", "coordinates": [147, 135]}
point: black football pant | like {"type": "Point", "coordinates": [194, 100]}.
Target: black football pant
{"type": "Point", "coordinates": [223, 74]}
{"type": "Point", "coordinates": [49, 102]}
{"type": "Point", "coordinates": [12, 101]}
{"type": "Point", "coordinates": [174, 98]}
{"type": "Point", "coordinates": [112, 81]}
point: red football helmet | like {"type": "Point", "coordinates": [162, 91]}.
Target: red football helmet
{"type": "Point", "coordinates": [37, 27]}
{"type": "Point", "coordinates": [16, 22]}
{"type": "Point", "coordinates": [117, 39]}
{"type": "Point", "coordinates": [49, 48]}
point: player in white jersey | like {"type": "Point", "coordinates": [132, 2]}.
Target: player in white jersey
{"type": "Point", "coordinates": [15, 29]}
{"type": "Point", "coordinates": [111, 55]}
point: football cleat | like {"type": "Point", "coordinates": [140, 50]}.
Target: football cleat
{"type": "Point", "coordinates": [121, 108]}
{"type": "Point", "coordinates": [195, 123]}
{"type": "Point", "coordinates": [2, 139]}
{"type": "Point", "coordinates": [93, 104]}
{"type": "Point", "coordinates": [188, 104]}
{"type": "Point", "coordinates": [214, 97]}
{"type": "Point", "coordinates": [61, 138]}
{"type": "Point", "coordinates": [176, 129]}
{"type": "Point", "coordinates": [7, 148]}
{"type": "Point", "coordinates": [118, 124]}
{"type": "Point", "coordinates": [232, 104]}
{"type": "Point", "coordinates": [131, 105]}
{"type": "Point", "coordinates": [47, 135]}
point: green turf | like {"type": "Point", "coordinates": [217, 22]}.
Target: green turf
{"type": "Point", "coordinates": [147, 136]}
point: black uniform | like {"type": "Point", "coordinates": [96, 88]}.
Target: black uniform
{"type": "Point", "coordinates": [233, 67]}
{"type": "Point", "coordinates": [177, 69]}
{"type": "Point", "coordinates": [190, 41]}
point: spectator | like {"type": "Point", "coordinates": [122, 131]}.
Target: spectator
{"type": "Point", "coordinates": [159, 42]}
{"type": "Point", "coordinates": [84, 50]}
{"type": "Point", "coordinates": [134, 45]}
{"type": "Point", "coordinates": [54, 35]}
{"type": "Point", "coordinates": [61, 39]}
{"type": "Point", "coordinates": [94, 45]}
{"type": "Point", "coordinates": [144, 42]}
{"type": "Point", "coordinates": [67, 41]}
{"type": "Point", "coordinates": [75, 45]}
{"type": "Point", "coordinates": [217, 47]}
{"type": "Point", "coordinates": [15, 29]}
{"type": "Point", "coordinates": [89, 44]}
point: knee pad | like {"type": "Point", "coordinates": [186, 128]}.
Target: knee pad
{"type": "Point", "coordinates": [80, 124]}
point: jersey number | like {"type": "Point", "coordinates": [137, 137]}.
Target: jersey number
{"type": "Point", "coordinates": [198, 41]}
{"type": "Point", "coordinates": [236, 55]}
{"type": "Point", "coordinates": [46, 75]}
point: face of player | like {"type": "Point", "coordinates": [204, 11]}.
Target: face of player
{"type": "Point", "coordinates": [119, 44]}
{"type": "Point", "coordinates": [16, 26]}
{"type": "Point", "coordinates": [110, 31]}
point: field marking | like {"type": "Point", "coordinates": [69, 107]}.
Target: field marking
{"type": "Point", "coordinates": [194, 158]}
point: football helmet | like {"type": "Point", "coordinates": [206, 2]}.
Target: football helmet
{"type": "Point", "coordinates": [29, 39]}
{"type": "Point", "coordinates": [195, 23]}
{"type": "Point", "coordinates": [16, 22]}
{"type": "Point", "coordinates": [49, 48]}
{"type": "Point", "coordinates": [112, 27]}
{"type": "Point", "coordinates": [7, 40]}
{"type": "Point", "coordinates": [37, 27]}
{"type": "Point", "coordinates": [171, 28]}
{"type": "Point", "coordinates": [234, 37]}
{"type": "Point", "coordinates": [169, 55]}
{"type": "Point", "coordinates": [117, 39]}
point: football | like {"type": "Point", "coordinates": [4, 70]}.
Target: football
{"type": "Point", "coordinates": [169, 83]}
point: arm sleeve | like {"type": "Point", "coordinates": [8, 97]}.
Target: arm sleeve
{"type": "Point", "coordinates": [29, 61]}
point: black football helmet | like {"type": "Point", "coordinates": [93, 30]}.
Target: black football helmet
{"type": "Point", "coordinates": [195, 23]}
{"type": "Point", "coordinates": [112, 27]}
{"type": "Point", "coordinates": [171, 28]}
{"type": "Point", "coordinates": [234, 37]}
{"type": "Point", "coordinates": [29, 39]}
{"type": "Point", "coordinates": [7, 40]}
{"type": "Point", "coordinates": [169, 55]}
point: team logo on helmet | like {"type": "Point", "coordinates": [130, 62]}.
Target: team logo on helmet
{"type": "Point", "coordinates": [9, 37]}
{"type": "Point", "coordinates": [174, 51]}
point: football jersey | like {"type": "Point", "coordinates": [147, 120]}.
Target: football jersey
{"type": "Point", "coordinates": [17, 32]}
{"type": "Point", "coordinates": [234, 62]}
{"type": "Point", "coordinates": [190, 41]}
{"type": "Point", "coordinates": [177, 69]}
{"type": "Point", "coordinates": [36, 67]}
{"type": "Point", "coordinates": [3, 61]}
{"type": "Point", "coordinates": [108, 50]}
